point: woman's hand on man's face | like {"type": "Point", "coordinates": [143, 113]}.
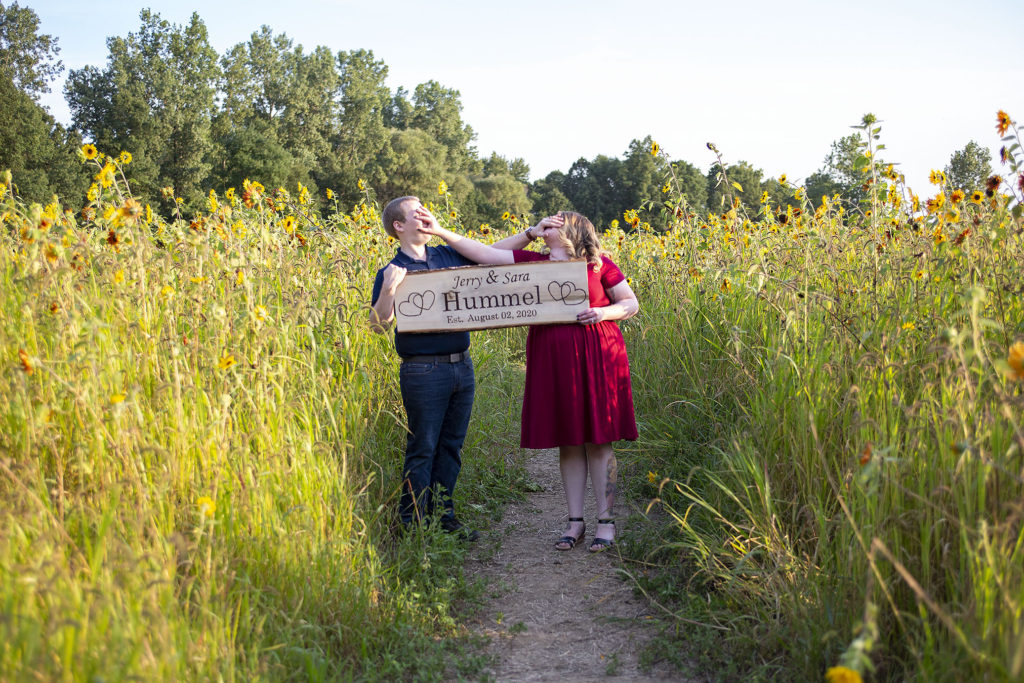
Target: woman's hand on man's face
{"type": "Point", "coordinates": [427, 222]}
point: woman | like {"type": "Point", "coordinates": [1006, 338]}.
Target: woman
{"type": "Point", "coordinates": [578, 393]}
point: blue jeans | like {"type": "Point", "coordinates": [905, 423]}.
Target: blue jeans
{"type": "Point", "coordinates": [438, 399]}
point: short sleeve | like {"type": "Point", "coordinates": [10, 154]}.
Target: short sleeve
{"type": "Point", "coordinates": [524, 256]}
{"type": "Point", "coordinates": [610, 273]}
{"type": "Point", "coordinates": [449, 258]}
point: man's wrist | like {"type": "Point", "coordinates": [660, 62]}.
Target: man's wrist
{"type": "Point", "coordinates": [529, 233]}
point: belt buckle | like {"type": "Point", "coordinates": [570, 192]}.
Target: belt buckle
{"type": "Point", "coordinates": [454, 357]}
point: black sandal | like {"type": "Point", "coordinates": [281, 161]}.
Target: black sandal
{"type": "Point", "coordinates": [571, 541]}
{"type": "Point", "coordinates": [599, 545]}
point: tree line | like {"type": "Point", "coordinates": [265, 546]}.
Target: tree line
{"type": "Point", "coordinates": [269, 110]}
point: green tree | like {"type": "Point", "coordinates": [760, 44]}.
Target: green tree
{"type": "Point", "coordinates": [547, 197]}
{"type": "Point", "coordinates": [641, 177]}
{"type": "Point", "coordinates": [842, 173]}
{"type": "Point", "coordinates": [361, 139]}
{"type": "Point", "coordinates": [692, 184]}
{"type": "Point", "coordinates": [969, 168]}
{"type": "Point", "coordinates": [496, 193]}
{"type": "Point", "coordinates": [27, 58]}
{"type": "Point", "coordinates": [438, 111]}
{"type": "Point", "coordinates": [595, 189]}
{"type": "Point", "coordinates": [275, 94]}
{"type": "Point", "coordinates": [411, 163]}
{"type": "Point", "coordinates": [255, 152]}
{"type": "Point", "coordinates": [155, 99]}
{"type": "Point", "coordinates": [783, 193]}
{"type": "Point", "coordinates": [398, 113]}
{"type": "Point", "coordinates": [820, 184]}
{"type": "Point", "coordinates": [517, 168]}
{"type": "Point", "coordinates": [721, 190]}
{"type": "Point", "coordinates": [39, 152]}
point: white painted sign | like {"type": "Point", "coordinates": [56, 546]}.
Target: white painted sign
{"type": "Point", "coordinates": [483, 297]}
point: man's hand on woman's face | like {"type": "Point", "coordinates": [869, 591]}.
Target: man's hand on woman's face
{"type": "Point", "coordinates": [549, 223]}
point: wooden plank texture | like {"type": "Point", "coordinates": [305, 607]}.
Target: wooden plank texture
{"type": "Point", "coordinates": [484, 297]}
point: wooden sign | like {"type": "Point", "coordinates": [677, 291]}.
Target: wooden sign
{"type": "Point", "coordinates": [482, 297]}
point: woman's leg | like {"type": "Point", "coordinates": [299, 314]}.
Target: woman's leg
{"type": "Point", "coordinates": [572, 461]}
{"type": "Point", "coordinates": [604, 478]}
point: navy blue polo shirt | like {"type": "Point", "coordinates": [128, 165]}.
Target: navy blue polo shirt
{"type": "Point", "coordinates": [426, 343]}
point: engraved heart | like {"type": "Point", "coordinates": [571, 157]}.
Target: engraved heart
{"type": "Point", "coordinates": [566, 292]}
{"type": "Point", "coordinates": [576, 296]}
{"type": "Point", "coordinates": [416, 303]}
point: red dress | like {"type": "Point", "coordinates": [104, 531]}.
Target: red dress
{"type": "Point", "coordinates": [577, 376]}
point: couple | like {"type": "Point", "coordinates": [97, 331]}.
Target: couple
{"type": "Point", "coordinates": [578, 395]}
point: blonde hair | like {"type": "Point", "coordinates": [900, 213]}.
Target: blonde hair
{"type": "Point", "coordinates": [579, 237]}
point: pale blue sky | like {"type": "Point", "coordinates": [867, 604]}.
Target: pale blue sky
{"type": "Point", "coordinates": [770, 83]}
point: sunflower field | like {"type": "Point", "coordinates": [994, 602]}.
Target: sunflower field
{"type": "Point", "coordinates": [201, 438]}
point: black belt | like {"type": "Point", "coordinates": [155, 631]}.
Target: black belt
{"type": "Point", "coordinates": [446, 358]}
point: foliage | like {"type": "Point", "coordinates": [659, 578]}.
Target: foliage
{"type": "Point", "coordinates": [842, 172]}
{"type": "Point", "coordinates": [155, 100]}
{"type": "Point", "coordinates": [830, 405]}
{"type": "Point", "coordinates": [39, 151]}
{"type": "Point", "coordinates": [833, 443]}
{"type": "Point", "coordinates": [27, 58]}
{"type": "Point", "coordinates": [969, 167]}
{"type": "Point", "coordinates": [201, 447]}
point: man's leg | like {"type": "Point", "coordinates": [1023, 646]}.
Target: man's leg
{"type": "Point", "coordinates": [448, 461]}
{"type": "Point", "coordinates": [425, 394]}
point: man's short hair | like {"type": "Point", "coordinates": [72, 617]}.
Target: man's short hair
{"type": "Point", "coordinates": [394, 212]}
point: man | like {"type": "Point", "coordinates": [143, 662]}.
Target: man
{"type": "Point", "coordinates": [436, 375]}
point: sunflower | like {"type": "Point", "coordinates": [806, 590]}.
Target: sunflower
{"type": "Point", "coordinates": [934, 205]}
{"type": "Point", "coordinates": [1002, 122]}
{"type": "Point", "coordinates": [1015, 359]}
{"type": "Point", "coordinates": [26, 362]}
{"type": "Point", "coordinates": [89, 151]}
{"type": "Point", "coordinates": [206, 506]}
{"type": "Point", "coordinates": [992, 184]}
{"type": "Point", "coordinates": [842, 674]}
{"type": "Point", "coordinates": [226, 361]}
{"type": "Point", "coordinates": [130, 210]}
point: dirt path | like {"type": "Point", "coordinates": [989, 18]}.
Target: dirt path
{"type": "Point", "coordinates": [554, 615]}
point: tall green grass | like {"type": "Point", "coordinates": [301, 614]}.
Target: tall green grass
{"type": "Point", "coordinates": [202, 441]}
{"type": "Point", "coordinates": [201, 448]}
{"type": "Point", "coordinates": [833, 426]}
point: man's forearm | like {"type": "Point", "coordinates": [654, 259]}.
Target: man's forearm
{"type": "Point", "coordinates": [382, 313]}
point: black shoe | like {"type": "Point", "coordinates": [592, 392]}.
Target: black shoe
{"type": "Point", "coordinates": [454, 526]}
{"type": "Point", "coordinates": [568, 542]}
{"type": "Point", "coordinates": [599, 545]}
